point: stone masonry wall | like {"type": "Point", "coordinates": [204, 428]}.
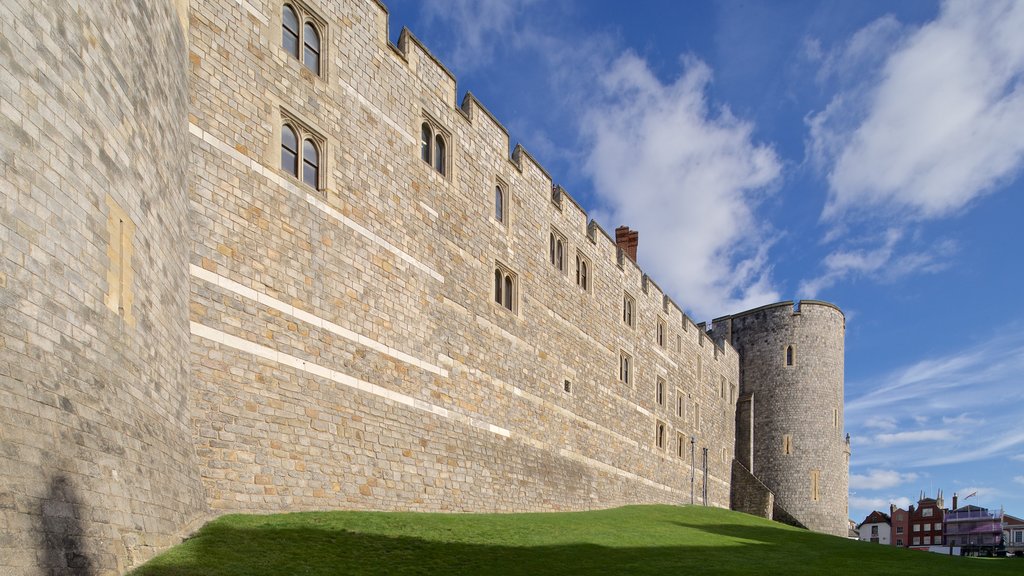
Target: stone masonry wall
{"type": "Point", "coordinates": [97, 467]}
{"type": "Point", "coordinates": [347, 350]}
{"type": "Point", "coordinates": [803, 401]}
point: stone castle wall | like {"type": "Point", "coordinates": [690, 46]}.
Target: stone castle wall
{"type": "Point", "coordinates": [97, 467]}
{"type": "Point", "coordinates": [187, 329]}
{"type": "Point", "coordinates": [347, 349]}
{"type": "Point", "coordinates": [803, 401]}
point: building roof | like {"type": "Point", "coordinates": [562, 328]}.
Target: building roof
{"type": "Point", "coordinates": [875, 517]}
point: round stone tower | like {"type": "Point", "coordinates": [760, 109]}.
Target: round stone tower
{"type": "Point", "coordinates": [792, 438]}
{"type": "Point", "coordinates": [98, 465]}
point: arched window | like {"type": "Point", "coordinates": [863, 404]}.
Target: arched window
{"type": "Point", "coordinates": [290, 30]}
{"type": "Point", "coordinates": [439, 157]}
{"type": "Point", "coordinates": [426, 136]}
{"type": "Point", "coordinates": [310, 164]}
{"type": "Point", "coordinates": [499, 204]}
{"type": "Point", "coordinates": [660, 440]}
{"type": "Point", "coordinates": [289, 150]}
{"type": "Point", "coordinates": [559, 254]}
{"type": "Point", "coordinates": [497, 285]}
{"type": "Point", "coordinates": [505, 288]}
{"type": "Point", "coordinates": [311, 48]}
{"type": "Point", "coordinates": [307, 157]}
{"type": "Point", "coordinates": [508, 291]}
{"type": "Point", "coordinates": [789, 355]}
{"type": "Point", "coordinates": [660, 336]}
{"type": "Point", "coordinates": [584, 282]}
{"type": "Point", "coordinates": [627, 310]}
{"type": "Point", "coordinates": [552, 248]}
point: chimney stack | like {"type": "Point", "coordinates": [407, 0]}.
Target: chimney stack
{"type": "Point", "coordinates": [954, 500]}
{"type": "Point", "coordinates": [627, 240]}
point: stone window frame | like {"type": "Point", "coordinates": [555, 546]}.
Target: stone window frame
{"type": "Point", "coordinates": [509, 280]}
{"type": "Point", "coordinates": [659, 391]}
{"type": "Point", "coordinates": [721, 387]}
{"type": "Point", "coordinates": [567, 387]}
{"type": "Point", "coordinates": [660, 434]}
{"type": "Point", "coordinates": [680, 405]}
{"type": "Point", "coordinates": [628, 310]}
{"type": "Point", "coordinates": [696, 416]}
{"type": "Point", "coordinates": [681, 445]}
{"type": "Point", "coordinates": [660, 332]}
{"type": "Point", "coordinates": [815, 485]}
{"type": "Point", "coordinates": [627, 368]}
{"type": "Point", "coordinates": [306, 15]}
{"type": "Point", "coordinates": [500, 187]}
{"type": "Point", "coordinates": [789, 355]}
{"type": "Point", "coordinates": [787, 444]}
{"type": "Point", "coordinates": [304, 132]}
{"type": "Point", "coordinates": [436, 134]}
{"type": "Point", "coordinates": [558, 248]}
{"type": "Point", "coordinates": [584, 273]}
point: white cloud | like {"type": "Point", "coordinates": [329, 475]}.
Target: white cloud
{"type": "Point", "coordinates": [1018, 479]}
{"type": "Point", "coordinates": [881, 423]}
{"type": "Point", "coordinates": [880, 504]}
{"type": "Point", "coordinates": [925, 120]}
{"type": "Point", "coordinates": [479, 26]}
{"type": "Point", "coordinates": [1017, 457]}
{"type": "Point", "coordinates": [687, 175]}
{"type": "Point", "coordinates": [939, 125]}
{"type": "Point", "coordinates": [914, 436]}
{"type": "Point", "coordinates": [880, 479]}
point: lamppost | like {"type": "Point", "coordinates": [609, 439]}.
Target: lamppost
{"type": "Point", "coordinates": [693, 441]}
{"type": "Point", "coordinates": [704, 467]}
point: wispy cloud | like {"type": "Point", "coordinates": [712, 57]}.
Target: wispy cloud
{"type": "Point", "coordinates": [1018, 479]}
{"type": "Point", "coordinates": [687, 174]}
{"type": "Point", "coordinates": [880, 479]}
{"type": "Point", "coordinates": [878, 503]}
{"type": "Point", "coordinates": [480, 25]}
{"type": "Point", "coordinates": [948, 403]}
{"type": "Point", "coordinates": [925, 121]}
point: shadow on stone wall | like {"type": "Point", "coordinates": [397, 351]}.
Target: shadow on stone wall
{"type": "Point", "coordinates": [63, 538]}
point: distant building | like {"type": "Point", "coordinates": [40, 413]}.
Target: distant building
{"type": "Point", "coordinates": [875, 528]}
{"type": "Point", "coordinates": [918, 527]}
{"type": "Point", "coordinates": [1013, 535]}
{"type": "Point", "coordinates": [974, 529]}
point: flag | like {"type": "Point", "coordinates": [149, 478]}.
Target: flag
{"type": "Point", "coordinates": [971, 494]}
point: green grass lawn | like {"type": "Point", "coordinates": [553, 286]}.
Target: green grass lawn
{"type": "Point", "coordinates": [635, 540]}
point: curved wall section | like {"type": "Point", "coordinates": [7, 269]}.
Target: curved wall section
{"type": "Point", "coordinates": [799, 448]}
{"type": "Point", "coordinates": [98, 468]}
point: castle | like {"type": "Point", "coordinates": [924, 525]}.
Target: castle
{"type": "Point", "coordinates": [255, 259]}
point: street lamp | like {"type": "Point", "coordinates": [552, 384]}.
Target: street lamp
{"type": "Point", "coordinates": [693, 441]}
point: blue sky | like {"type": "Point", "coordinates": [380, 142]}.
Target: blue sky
{"type": "Point", "coordinates": [864, 153]}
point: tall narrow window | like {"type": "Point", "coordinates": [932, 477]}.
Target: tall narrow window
{"type": "Point", "coordinates": [835, 418]}
{"type": "Point", "coordinates": [660, 333]}
{"type": "Point", "coordinates": [659, 440]}
{"type": "Point", "coordinates": [551, 247]}
{"type": "Point", "coordinates": [721, 388]}
{"type": "Point", "coordinates": [310, 164]}
{"type": "Point", "coordinates": [696, 417]}
{"type": "Point", "coordinates": [628, 309]}
{"type": "Point", "coordinates": [680, 404]}
{"type": "Point", "coordinates": [815, 488]}
{"type": "Point", "coordinates": [499, 204]}
{"type": "Point", "coordinates": [625, 368]}
{"type": "Point", "coordinates": [556, 250]}
{"type": "Point", "coordinates": [426, 137]}
{"type": "Point", "coordinates": [659, 393]}
{"type": "Point", "coordinates": [290, 30]}
{"type": "Point", "coordinates": [700, 370]}
{"type": "Point", "coordinates": [439, 157]}
{"type": "Point", "coordinates": [787, 444]}
{"type": "Point", "coordinates": [289, 151]}
{"type": "Point", "coordinates": [498, 282]}
{"type": "Point", "coordinates": [509, 291]}
{"type": "Point", "coordinates": [559, 254]}
{"type": "Point", "coordinates": [789, 355]}
{"type": "Point", "coordinates": [311, 48]}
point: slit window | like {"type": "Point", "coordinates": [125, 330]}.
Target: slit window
{"type": "Point", "coordinates": [499, 204]}
{"type": "Point", "coordinates": [628, 310]}
{"type": "Point", "coordinates": [787, 444]}
{"type": "Point", "coordinates": [680, 445]}
{"type": "Point", "coordinates": [660, 333]}
{"type": "Point", "coordinates": [790, 355]}
{"type": "Point", "coordinates": [625, 368]}
{"type": "Point", "coordinates": [659, 393]}
{"type": "Point", "coordinates": [659, 439]}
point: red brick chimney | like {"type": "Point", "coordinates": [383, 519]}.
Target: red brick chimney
{"type": "Point", "coordinates": [627, 240]}
{"type": "Point", "coordinates": [954, 500]}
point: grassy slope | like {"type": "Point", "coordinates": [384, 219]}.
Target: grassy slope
{"type": "Point", "coordinates": [636, 540]}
